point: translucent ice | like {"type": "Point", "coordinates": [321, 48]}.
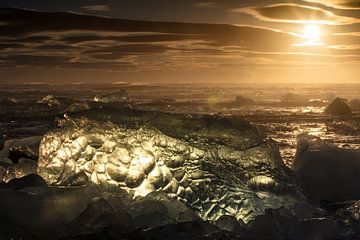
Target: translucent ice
{"type": "Point", "coordinates": [217, 166]}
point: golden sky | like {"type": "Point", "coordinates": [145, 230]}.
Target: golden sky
{"type": "Point", "coordinates": [179, 41]}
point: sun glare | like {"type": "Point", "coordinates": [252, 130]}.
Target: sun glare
{"type": "Point", "coordinates": [311, 35]}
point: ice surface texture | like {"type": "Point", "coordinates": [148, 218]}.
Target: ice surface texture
{"type": "Point", "coordinates": [216, 165]}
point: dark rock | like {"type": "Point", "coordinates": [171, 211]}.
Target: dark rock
{"type": "Point", "coordinates": [338, 107]}
{"type": "Point", "coordinates": [240, 100]}
{"type": "Point", "coordinates": [165, 101]}
{"type": "Point", "coordinates": [150, 213]}
{"type": "Point", "coordinates": [121, 96]}
{"type": "Point", "coordinates": [12, 230]}
{"type": "Point", "coordinates": [56, 101]}
{"type": "Point", "coordinates": [22, 168]}
{"type": "Point", "coordinates": [17, 152]}
{"type": "Point", "coordinates": [99, 214]}
{"type": "Point", "coordinates": [230, 224]}
{"type": "Point", "coordinates": [2, 174]}
{"type": "Point", "coordinates": [349, 219]}
{"type": "Point", "coordinates": [2, 141]}
{"type": "Point", "coordinates": [79, 179]}
{"type": "Point", "coordinates": [176, 211]}
{"type": "Point", "coordinates": [21, 148]}
{"type": "Point", "coordinates": [46, 212]}
{"type": "Point", "coordinates": [293, 98]}
{"type": "Point", "coordinates": [77, 107]}
{"type": "Point", "coordinates": [355, 104]}
{"type": "Point", "coordinates": [114, 232]}
{"type": "Point", "coordinates": [282, 224]}
{"type": "Point", "coordinates": [31, 180]}
{"type": "Point", "coordinates": [345, 127]}
{"type": "Point", "coordinates": [329, 174]}
{"type": "Point", "coordinates": [183, 230]}
{"type": "Point", "coordinates": [350, 215]}
{"type": "Point", "coordinates": [8, 101]}
{"type": "Point", "coordinates": [29, 211]}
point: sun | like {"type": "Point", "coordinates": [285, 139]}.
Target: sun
{"type": "Point", "coordinates": [311, 35]}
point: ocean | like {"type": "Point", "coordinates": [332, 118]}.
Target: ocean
{"type": "Point", "coordinates": [282, 111]}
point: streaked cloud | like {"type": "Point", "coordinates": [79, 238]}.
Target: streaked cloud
{"type": "Point", "coordinates": [294, 13]}
{"type": "Point", "coordinates": [96, 8]}
{"type": "Point", "coordinates": [346, 47]}
{"type": "Point", "coordinates": [342, 4]}
{"type": "Point", "coordinates": [356, 34]}
{"type": "Point", "coordinates": [83, 42]}
{"type": "Point", "coordinates": [206, 4]}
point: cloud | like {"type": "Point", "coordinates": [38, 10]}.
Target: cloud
{"type": "Point", "coordinates": [129, 38]}
{"type": "Point", "coordinates": [74, 41]}
{"type": "Point", "coordinates": [33, 39]}
{"type": "Point", "coordinates": [27, 23]}
{"type": "Point", "coordinates": [207, 5]}
{"type": "Point", "coordinates": [6, 46]}
{"type": "Point", "coordinates": [96, 8]}
{"type": "Point", "coordinates": [294, 13]}
{"type": "Point", "coordinates": [94, 65]}
{"type": "Point", "coordinates": [342, 4]}
{"type": "Point", "coordinates": [355, 34]}
{"type": "Point", "coordinates": [346, 47]}
{"type": "Point", "coordinates": [35, 60]}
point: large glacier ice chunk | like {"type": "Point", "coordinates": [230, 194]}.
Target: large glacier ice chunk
{"type": "Point", "coordinates": [216, 165]}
